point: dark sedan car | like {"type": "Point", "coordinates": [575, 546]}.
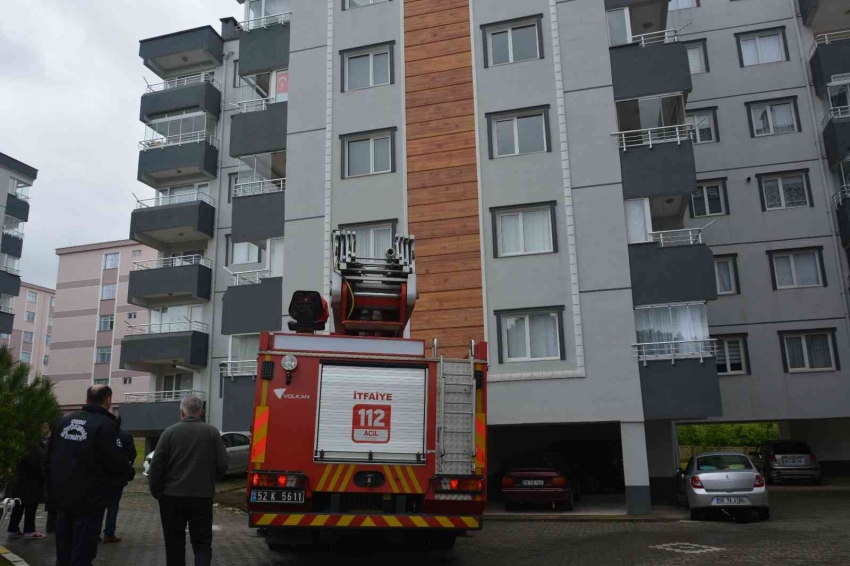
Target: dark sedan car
{"type": "Point", "coordinates": [536, 486]}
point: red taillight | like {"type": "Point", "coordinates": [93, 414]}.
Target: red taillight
{"type": "Point", "coordinates": [462, 485]}
{"type": "Point", "coordinates": [759, 481]}
{"type": "Point", "coordinates": [559, 481]}
{"type": "Point", "coordinates": [255, 480]}
{"type": "Point", "coordinates": [276, 480]}
{"type": "Point", "coordinates": [696, 482]}
{"type": "Point", "coordinates": [813, 457]}
{"type": "Point", "coordinates": [507, 482]}
{"type": "Point", "coordinates": [453, 484]}
{"type": "Point", "coordinates": [281, 480]}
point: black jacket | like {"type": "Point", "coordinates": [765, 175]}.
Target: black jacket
{"type": "Point", "coordinates": [85, 460]}
{"type": "Point", "coordinates": [189, 458]}
{"type": "Point", "coordinates": [28, 484]}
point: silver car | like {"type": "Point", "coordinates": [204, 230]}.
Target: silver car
{"type": "Point", "coordinates": [723, 480]}
{"type": "Point", "coordinates": [781, 460]}
{"type": "Point", "coordinates": [238, 445]}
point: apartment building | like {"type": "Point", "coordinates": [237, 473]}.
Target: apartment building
{"type": "Point", "coordinates": [552, 160]}
{"type": "Point", "coordinates": [90, 319]}
{"type": "Point", "coordinates": [32, 329]}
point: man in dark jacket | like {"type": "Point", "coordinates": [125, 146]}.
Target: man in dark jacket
{"type": "Point", "coordinates": [112, 511]}
{"type": "Point", "coordinates": [86, 458]}
{"type": "Point", "coordinates": [189, 458]}
{"type": "Point", "coordinates": [27, 486]}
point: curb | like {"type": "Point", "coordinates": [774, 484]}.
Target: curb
{"type": "Point", "coordinates": [13, 558]}
{"type": "Point", "coordinates": [537, 518]}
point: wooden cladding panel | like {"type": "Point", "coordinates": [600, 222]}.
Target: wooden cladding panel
{"type": "Point", "coordinates": [442, 176]}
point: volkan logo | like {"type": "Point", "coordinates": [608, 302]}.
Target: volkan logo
{"type": "Point", "coordinates": [281, 394]}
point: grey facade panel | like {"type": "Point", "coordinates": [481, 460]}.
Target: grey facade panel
{"type": "Point", "coordinates": [17, 208]}
{"type": "Point", "coordinates": [140, 418]}
{"type": "Point", "coordinates": [154, 288]}
{"type": "Point", "coordinates": [10, 245]}
{"type": "Point", "coordinates": [176, 163]}
{"type": "Point", "coordinates": [259, 132]}
{"type": "Point", "coordinates": [10, 284]}
{"type": "Point", "coordinates": [150, 352]}
{"type": "Point", "coordinates": [7, 320]}
{"type": "Point", "coordinates": [253, 308]}
{"type": "Point", "coordinates": [829, 59]}
{"type": "Point", "coordinates": [655, 69]}
{"type": "Point", "coordinates": [671, 274]}
{"type": "Point", "coordinates": [19, 167]}
{"type": "Point", "coordinates": [843, 213]}
{"type": "Point", "coordinates": [203, 96]}
{"type": "Point", "coordinates": [662, 170]}
{"type": "Point", "coordinates": [149, 226]}
{"type": "Point", "coordinates": [264, 49]}
{"type": "Point", "coordinates": [258, 217]}
{"type": "Point", "coordinates": [238, 406]}
{"type": "Point", "coordinates": [836, 139]}
{"type": "Point", "coordinates": [687, 390]}
{"type": "Point", "coordinates": [204, 40]}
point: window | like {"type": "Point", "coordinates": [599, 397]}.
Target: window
{"type": "Point", "coordinates": [697, 58]}
{"type": "Point", "coordinates": [106, 322]}
{"type": "Point", "coordinates": [638, 221]}
{"type": "Point", "coordinates": [108, 291]}
{"type": "Point", "coordinates": [110, 261]}
{"type": "Point", "coordinates": [4, 336]}
{"type": "Point", "coordinates": [232, 181]}
{"type": "Point", "coordinates": [347, 4]}
{"type": "Point", "coordinates": [243, 252]}
{"type": "Point", "coordinates": [789, 190]}
{"type": "Point", "coordinates": [261, 173]}
{"type": "Point", "coordinates": [704, 123]}
{"type": "Point", "coordinates": [650, 112]}
{"type": "Point", "coordinates": [368, 154]}
{"type": "Point", "coordinates": [373, 240]}
{"type": "Point", "coordinates": [732, 355]}
{"type": "Point", "coordinates": [523, 231]}
{"type": "Point", "coordinates": [127, 380]}
{"type": "Point", "coordinates": [809, 351]}
{"type": "Point", "coordinates": [178, 127]}
{"type": "Point", "coordinates": [182, 193]}
{"type": "Point", "coordinates": [131, 316]}
{"type": "Point", "coordinates": [47, 339]}
{"type": "Point", "coordinates": [104, 381]}
{"type": "Point", "coordinates": [26, 357]}
{"type": "Point", "coordinates": [520, 132]}
{"type": "Point", "coordinates": [531, 335]}
{"type": "Point", "coordinates": [797, 269]}
{"type": "Point", "coordinates": [365, 68]}
{"type": "Point", "coordinates": [766, 46]}
{"type": "Point", "coordinates": [681, 4]}
{"type": "Point", "coordinates": [50, 320]}
{"type": "Point", "coordinates": [773, 118]}
{"type": "Point", "coordinates": [256, 10]}
{"type": "Point", "coordinates": [726, 275]}
{"type": "Point", "coordinates": [137, 253]}
{"type": "Point", "coordinates": [709, 199]}
{"type": "Point", "coordinates": [14, 226]}
{"type": "Point", "coordinates": [103, 355]}
{"type": "Point", "coordinates": [45, 361]}
{"type": "Point", "coordinates": [244, 347]}
{"type": "Point", "coordinates": [619, 27]}
{"type": "Point", "coordinates": [670, 330]}
{"type": "Point", "coordinates": [513, 41]}
{"type": "Point", "coordinates": [32, 297]}
{"type": "Point", "coordinates": [27, 337]}
{"type": "Point", "coordinates": [30, 316]}
{"type": "Point", "coordinates": [52, 302]}
{"type": "Point", "coordinates": [271, 87]}
{"type": "Point", "coordinates": [21, 189]}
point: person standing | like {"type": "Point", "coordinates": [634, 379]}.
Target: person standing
{"type": "Point", "coordinates": [115, 499]}
{"type": "Point", "coordinates": [189, 458]}
{"type": "Point", "coordinates": [85, 460]}
{"type": "Point", "coordinates": [27, 487]}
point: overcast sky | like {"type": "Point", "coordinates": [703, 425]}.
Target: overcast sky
{"type": "Point", "coordinates": [70, 85]}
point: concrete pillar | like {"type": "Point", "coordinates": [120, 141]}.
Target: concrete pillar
{"type": "Point", "coordinates": [635, 468]}
{"type": "Point", "coordinates": [662, 451]}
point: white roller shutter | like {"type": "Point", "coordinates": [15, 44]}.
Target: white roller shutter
{"type": "Point", "coordinates": [377, 410]}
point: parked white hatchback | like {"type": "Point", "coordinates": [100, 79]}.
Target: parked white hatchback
{"type": "Point", "coordinates": [726, 481]}
{"type": "Point", "coordinates": [238, 445]}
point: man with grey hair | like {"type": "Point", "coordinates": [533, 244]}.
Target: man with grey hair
{"type": "Point", "coordinates": [189, 458]}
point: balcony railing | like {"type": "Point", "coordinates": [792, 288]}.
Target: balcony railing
{"type": "Point", "coordinates": [685, 237]}
{"type": "Point", "coordinates": [167, 328]}
{"type": "Point", "coordinates": [827, 38]}
{"type": "Point", "coordinates": [256, 105]}
{"type": "Point", "coordinates": [259, 187]}
{"type": "Point", "coordinates": [652, 136]}
{"type": "Point", "coordinates": [237, 367]}
{"type": "Point", "coordinates": [655, 37]}
{"type": "Point", "coordinates": [158, 396]}
{"type": "Point", "coordinates": [13, 232]}
{"type": "Point", "coordinates": [8, 310]}
{"type": "Point", "coordinates": [181, 82]}
{"type": "Point", "coordinates": [835, 112]}
{"type": "Point", "coordinates": [175, 199]}
{"type": "Point", "coordinates": [178, 261]}
{"type": "Point", "coordinates": [248, 277]}
{"type": "Point", "coordinates": [265, 21]}
{"type": "Point", "coordinates": [840, 196]}
{"type": "Point", "coordinates": [11, 270]}
{"type": "Point", "coordinates": [21, 195]}
{"type": "Point", "coordinates": [179, 139]}
{"type": "Point", "coordinates": [675, 350]}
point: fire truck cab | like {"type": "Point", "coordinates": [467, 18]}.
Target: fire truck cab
{"type": "Point", "coordinates": [362, 428]}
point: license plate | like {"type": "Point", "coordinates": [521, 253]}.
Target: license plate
{"type": "Point", "coordinates": [269, 496]}
{"type": "Point", "coordinates": [532, 483]}
{"type": "Point", "coordinates": [731, 501]}
{"type": "Point", "coordinates": [793, 460]}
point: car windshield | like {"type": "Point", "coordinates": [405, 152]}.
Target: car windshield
{"type": "Point", "coordinates": [791, 448]}
{"type": "Point", "coordinates": [723, 462]}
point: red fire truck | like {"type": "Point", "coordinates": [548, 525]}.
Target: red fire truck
{"type": "Point", "coordinates": [362, 428]}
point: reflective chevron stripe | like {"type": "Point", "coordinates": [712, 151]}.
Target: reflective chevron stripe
{"type": "Point", "coordinates": [337, 478]}
{"type": "Point", "coordinates": [326, 520]}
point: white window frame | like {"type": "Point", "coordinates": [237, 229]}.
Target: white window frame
{"type": "Point", "coordinates": [52, 301]}
{"type": "Point", "coordinates": [521, 213]}
{"type": "Point", "coordinates": [379, 50]}
{"type": "Point", "coordinates": [128, 380]}
{"type": "Point", "coordinates": [45, 360]}
{"type": "Point", "coordinates": [26, 334]}
{"type": "Point", "coordinates": [32, 297]}
{"type": "Point", "coordinates": [692, 117]}
{"type": "Point", "coordinates": [804, 337]}
{"type": "Point", "coordinates": [509, 29]}
{"type": "Point", "coordinates": [372, 227]}
{"type": "Point", "coordinates": [26, 357]}
{"type": "Point", "coordinates": [48, 339]}
{"type": "Point", "coordinates": [131, 315]}
{"type": "Point", "coordinates": [733, 272]}
{"type": "Point", "coordinates": [756, 36]}
{"type": "Point", "coordinates": [27, 316]}
{"type": "Point", "coordinates": [703, 186]}
{"type": "Point", "coordinates": [372, 139]}
{"type": "Point", "coordinates": [525, 315]}
{"type": "Point", "coordinates": [49, 320]}
{"type": "Point", "coordinates": [113, 286]}
{"type": "Point", "coordinates": [781, 183]}
{"type": "Point", "coordinates": [231, 254]}
{"type": "Point", "coordinates": [513, 119]}
{"type": "Point", "coordinates": [676, 8]}
{"type": "Point", "coordinates": [107, 260]}
{"type": "Point", "coordinates": [742, 345]}
{"type": "Point", "coordinates": [647, 212]}
{"type": "Point", "coordinates": [137, 253]}
{"type": "Point", "coordinates": [348, 5]}
{"type": "Point", "coordinates": [698, 46]}
{"type": "Point", "coordinates": [628, 16]}
{"type": "Point", "coordinates": [769, 106]}
{"type": "Point", "coordinates": [111, 322]}
{"type": "Point", "coordinates": [249, 102]}
{"type": "Point", "coordinates": [103, 355]}
{"type": "Point", "coordinates": [791, 255]}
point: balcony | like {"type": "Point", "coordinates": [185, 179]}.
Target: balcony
{"type": "Point", "coordinates": [841, 202]}
{"type": "Point", "coordinates": [252, 303]}
{"type": "Point", "coordinates": [238, 368]}
{"type": "Point", "coordinates": [258, 211]}
{"type": "Point", "coordinates": [836, 134]}
{"type": "Point", "coordinates": [176, 159]}
{"type": "Point", "coordinates": [153, 411]}
{"type": "Point", "coordinates": [824, 14]}
{"type": "Point", "coordinates": [657, 161]}
{"type": "Point", "coordinates": [654, 63]}
{"type": "Point", "coordinates": [164, 282]}
{"type": "Point", "coordinates": [164, 221]}
{"type": "Point", "coordinates": [154, 347]}
{"type": "Point", "coordinates": [201, 92]}
{"type": "Point", "coordinates": [182, 53]}
{"type": "Point", "coordinates": [259, 127]}
{"type": "Point", "coordinates": [264, 44]}
{"type": "Point", "coordinates": [7, 319]}
{"type": "Point", "coordinates": [18, 207]}
{"type": "Point", "coordinates": [12, 243]}
{"type": "Point", "coordinates": [10, 282]}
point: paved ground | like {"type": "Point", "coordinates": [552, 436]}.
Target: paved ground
{"type": "Point", "coordinates": [810, 526]}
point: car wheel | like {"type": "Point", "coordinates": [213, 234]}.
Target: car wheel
{"type": "Point", "coordinates": [696, 514]}
{"type": "Point", "coordinates": [764, 514]}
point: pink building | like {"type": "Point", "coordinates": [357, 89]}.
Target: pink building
{"type": "Point", "coordinates": [32, 331]}
{"type": "Point", "coordinates": [91, 318]}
